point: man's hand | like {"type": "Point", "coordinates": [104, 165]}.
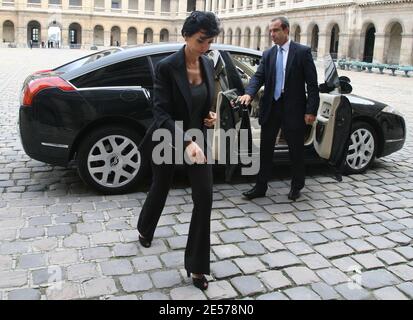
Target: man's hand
{"type": "Point", "coordinates": [211, 119]}
{"type": "Point", "coordinates": [195, 153]}
{"type": "Point", "coordinates": [245, 99]}
{"type": "Point", "coordinates": [309, 119]}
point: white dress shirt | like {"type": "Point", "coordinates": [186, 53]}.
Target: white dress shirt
{"type": "Point", "coordinates": [286, 48]}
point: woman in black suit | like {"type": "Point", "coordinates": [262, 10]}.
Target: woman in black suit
{"type": "Point", "coordinates": [183, 91]}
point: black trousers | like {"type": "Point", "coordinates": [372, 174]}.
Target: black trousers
{"type": "Point", "coordinates": [295, 142]}
{"type": "Point", "coordinates": [197, 252]}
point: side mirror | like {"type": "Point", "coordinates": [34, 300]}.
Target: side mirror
{"type": "Point", "coordinates": [324, 88]}
{"type": "Point", "coordinates": [344, 78]}
{"type": "Point", "coordinates": [345, 87]}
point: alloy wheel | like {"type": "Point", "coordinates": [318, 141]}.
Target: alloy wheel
{"type": "Point", "coordinates": [361, 149]}
{"type": "Point", "coordinates": [114, 161]}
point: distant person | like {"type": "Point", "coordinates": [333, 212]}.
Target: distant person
{"type": "Point", "coordinates": [31, 44]}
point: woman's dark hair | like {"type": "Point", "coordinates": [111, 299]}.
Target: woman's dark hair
{"type": "Point", "coordinates": [201, 20]}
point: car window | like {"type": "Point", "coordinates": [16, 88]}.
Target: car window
{"type": "Point", "coordinates": [132, 72]}
{"type": "Point", "coordinates": [246, 64]}
{"type": "Point", "coordinates": [158, 57]}
{"type": "Point", "coordinates": [85, 60]}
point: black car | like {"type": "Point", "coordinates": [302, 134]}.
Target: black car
{"type": "Point", "coordinates": [95, 111]}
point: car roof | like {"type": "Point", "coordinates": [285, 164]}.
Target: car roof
{"type": "Point", "coordinates": [145, 50]}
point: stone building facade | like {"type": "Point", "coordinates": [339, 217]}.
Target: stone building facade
{"type": "Point", "coordinates": [367, 30]}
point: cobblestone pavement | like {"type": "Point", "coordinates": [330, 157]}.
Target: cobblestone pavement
{"type": "Point", "coordinates": [348, 240]}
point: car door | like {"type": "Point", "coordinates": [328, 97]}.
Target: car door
{"type": "Point", "coordinates": [117, 89]}
{"type": "Point", "coordinates": [231, 142]}
{"type": "Point", "coordinates": [333, 122]}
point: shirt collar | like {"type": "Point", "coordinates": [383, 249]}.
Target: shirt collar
{"type": "Point", "coordinates": [286, 46]}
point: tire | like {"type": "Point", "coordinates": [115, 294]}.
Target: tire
{"type": "Point", "coordinates": [109, 160]}
{"type": "Point", "coordinates": [362, 148]}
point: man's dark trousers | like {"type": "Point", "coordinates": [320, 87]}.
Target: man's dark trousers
{"type": "Point", "coordinates": [295, 141]}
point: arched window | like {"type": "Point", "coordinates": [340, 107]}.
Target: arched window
{"type": "Point", "coordinates": [393, 42]}
{"type": "Point", "coordinates": [369, 40]}
{"type": "Point", "coordinates": [75, 35]}
{"type": "Point", "coordinates": [334, 37]}
{"type": "Point", "coordinates": [115, 36]}
{"type": "Point", "coordinates": [98, 35]}
{"type": "Point", "coordinates": [164, 35]}
{"type": "Point", "coordinates": [148, 35]}
{"type": "Point", "coordinates": [132, 36]}
{"type": "Point", "coordinates": [8, 31]}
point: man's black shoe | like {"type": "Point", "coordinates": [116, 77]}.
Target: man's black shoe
{"type": "Point", "coordinates": [256, 192]}
{"type": "Point", "coordinates": [294, 194]}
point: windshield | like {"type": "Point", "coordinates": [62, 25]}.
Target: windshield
{"type": "Point", "coordinates": [85, 60]}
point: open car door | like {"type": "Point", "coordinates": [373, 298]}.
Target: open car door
{"type": "Point", "coordinates": [232, 131]}
{"type": "Point", "coordinates": [333, 122]}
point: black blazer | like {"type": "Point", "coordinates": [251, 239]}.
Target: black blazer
{"type": "Point", "coordinates": [300, 71]}
{"type": "Point", "coordinates": [172, 99]}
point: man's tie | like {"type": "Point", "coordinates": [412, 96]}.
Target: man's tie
{"type": "Point", "coordinates": [279, 74]}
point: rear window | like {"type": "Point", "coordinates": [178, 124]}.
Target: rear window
{"type": "Point", "coordinates": [85, 60]}
{"type": "Point", "coordinates": [132, 72]}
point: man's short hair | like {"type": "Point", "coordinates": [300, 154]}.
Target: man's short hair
{"type": "Point", "coordinates": [284, 22]}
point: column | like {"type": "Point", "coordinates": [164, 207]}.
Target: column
{"type": "Point", "coordinates": [406, 50]}
{"type": "Point", "coordinates": [378, 55]}
{"type": "Point", "coordinates": [227, 6]}
{"type": "Point", "coordinates": [304, 37]}
{"type": "Point", "coordinates": [157, 7]}
{"type": "Point", "coordinates": [87, 6]}
{"type": "Point", "coordinates": [124, 38]}
{"type": "Point", "coordinates": [106, 37]}
{"type": "Point", "coordinates": [174, 8]}
{"type": "Point", "coordinates": [64, 40]}
{"type": "Point", "coordinates": [343, 46]}
{"type": "Point", "coordinates": [182, 7]}
{"type": "Point", "coordinates": [44, 36]}
{"type": "Point", "coordinates": [199, 5]}
{"type": "Point", "coordinates": [108, 5]}
{"type": "Point", "coordinates": [254, 4]}
{"type": "Point", "coordinates": [124, 6]}
{"type": "Point", "coordinates": [1, 33]}
{"type": "Point", "coordinates": [323, 47]}
{"type": "Point", "coordinates": [141, 6]}
{"type": "Point", "coordinates": [45, 4]}
{"type": "Point", "coordinates": [264, 40]}
{"type": "Point", "coordinates": [65, 4]}
{"type": "Point", "coordinates": [87, 40]}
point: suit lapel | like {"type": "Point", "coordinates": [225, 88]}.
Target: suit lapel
{"type": "Point", "coordinates": [181, 78]}
{"type": "Point", "coordinates": [209, 80]}
{"type": "Point", "coordinates": [291, 55]}
{"type": "Point", "coordinates": [273, 57]}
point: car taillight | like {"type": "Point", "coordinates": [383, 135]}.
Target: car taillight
{"type": "Point", "coordinates": [44, 71]}
{"type": "Point", "coordinates": [37, 85]}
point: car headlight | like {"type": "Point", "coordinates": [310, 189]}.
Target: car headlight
{"type": "Point", "coordinates": [393, 110]}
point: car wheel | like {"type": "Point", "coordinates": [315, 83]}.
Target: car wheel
{"type": "Point", "coordinates": [109, 160]}
{"type": "Point", "coordinates": [362, 148]}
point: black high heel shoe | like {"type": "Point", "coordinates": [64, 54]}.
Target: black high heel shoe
{"type": "Point", "coordinates": [144, 242]}
{"type": "Point", "coordinates": [200, 283]}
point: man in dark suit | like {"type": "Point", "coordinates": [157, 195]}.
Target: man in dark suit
{"type": "Point", "coordinates": [286, 69]}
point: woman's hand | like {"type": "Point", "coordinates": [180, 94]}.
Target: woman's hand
{"type": "Point", "coordinates": [195, 153]}
{"type": "Point", "coordinates": [211, 119]}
